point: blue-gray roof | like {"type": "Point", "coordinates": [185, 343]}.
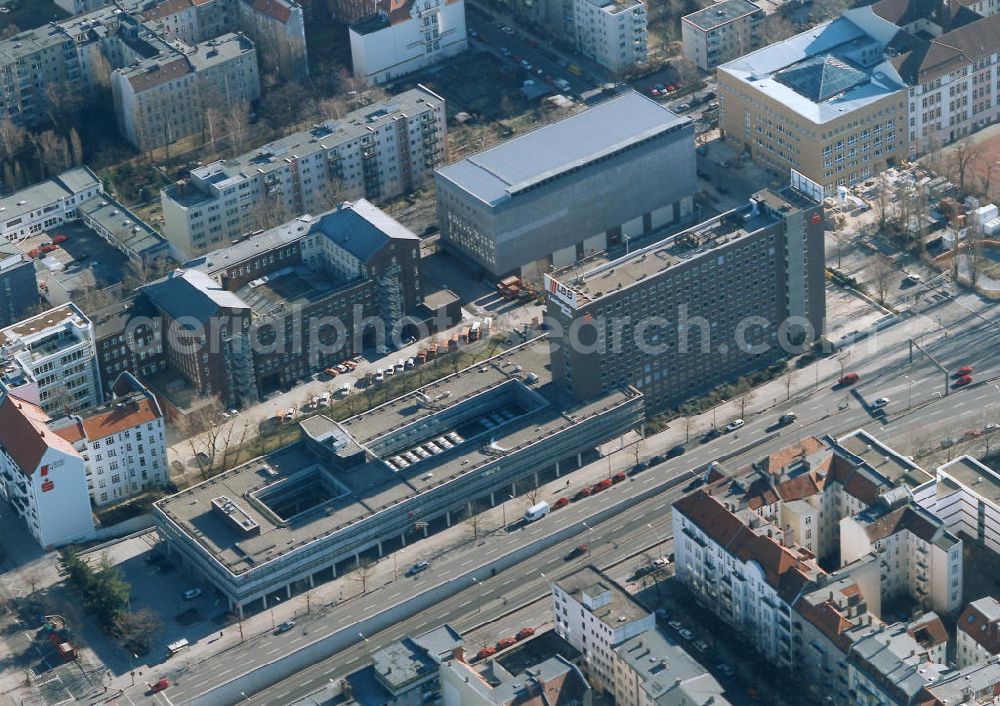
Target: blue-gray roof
{"type": "Point", "coordinates": [362, 229]}
{"type": "Point", "coordinates": [191, 293]}
{"type": "Point", "coordinates": [494, 175]}
{"type": "Point", "coordinates": [720, 13]}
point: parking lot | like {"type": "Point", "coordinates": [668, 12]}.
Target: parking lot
{"type": "Point", "coordinates": [82, 263]}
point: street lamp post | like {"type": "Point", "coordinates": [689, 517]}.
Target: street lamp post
{"type": "Point", "coordinates": [479, 587]}
{"type": "Point", "coordinates": [659, 542]}
{"type": "Point", "coordinates": [909, 391]}
{"type": "Point", "coordinates": [589, 531]}
{"type": "Point", "coordinates": [276, 600]}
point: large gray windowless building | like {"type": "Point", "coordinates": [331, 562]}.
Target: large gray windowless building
{"type": "Point", "coordinates": [695, 310]}
{"type": "Point", "coordinates": [567, 190]}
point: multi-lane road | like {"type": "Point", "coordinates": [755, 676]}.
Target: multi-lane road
{"type": "Point", "coordinates": [956, 333]}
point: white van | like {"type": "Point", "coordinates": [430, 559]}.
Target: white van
{"type": "Point", "coordinates": [536, 512]}
{"type": "Point", "coordinates": [345, 389]}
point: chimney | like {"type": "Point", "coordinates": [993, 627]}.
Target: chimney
{"type": "Point", "coordinates": [458, 654]}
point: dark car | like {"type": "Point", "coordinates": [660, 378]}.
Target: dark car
{"type": "Point", "coordinates": [787, 418]}
{"type": "Point", "coordinates": [657, 460]}
{"type": "Point", "coordinates": [577, 551]}
{"type": "Point", "coordinates": [638, 468]}
{"type": "Point", "coordinates": [676, 451]}
{"type": "Point", "coordinates": [709, 435]}
{"type": "Point", "coordinates": [284, 627]}
{"type": "Point", "coordinates": [417, 568]}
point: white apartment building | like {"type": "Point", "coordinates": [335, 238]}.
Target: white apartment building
{"type": "Point", "coordinates": [402, 38]}
{"type": "Point", "coordinates": [377, 152]}
{"type": "Point", "coordinates": [50, 359]}
{"type": "Point", "coordinates": [917, 555]}
{"type": "Point", "coordinates": [164, 98]}
{"type": "Point", "coordinates": [121, 443]}
{"type": "Point", "coordinates": [594, 615]}
{"type": "Point", "coordinates": [742, 572]}
{"type": "Point", "coordinates": [47, 204]}
{"type": "Point", "coordinates": [721, 32]}
{"type": "Point", "coordinates": [966, 497]}
{"type": "Point", "coordinates": [977, 633]}
{"type": "Point", "coordinates": [42, 476]}
{"type": "Point", "coordinates": [611, 32]}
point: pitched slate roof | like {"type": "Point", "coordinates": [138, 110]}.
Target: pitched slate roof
{"type": "Point", "coordinates": [362, 229]}
{"type": "Point", "coordinates": [191, 293]}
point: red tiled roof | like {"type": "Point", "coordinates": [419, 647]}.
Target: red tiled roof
{"type": "Point", "coordinates": [803, 486]}
{"type": "Point", "coordinates": [781, 566]}
{"type": "Point", "coordinates": [903, 518]}
{"type": "Point", "coordinates": [929, 632]}
{"type": "Point", "coordinates": [273, 8]}
{"type": "Point", "coordinates": [24, 434]}
{"type": "Point", "coordinates": [782, 458]}
{"type": "Point", "coordinates": [72, 433]}
{"type": "Point", "coordinates": [120, 419]}
{"type": "Point", "coordinates": [165, 9]}
{"type": "Point", "coordinates": [974, 623]}
{"type": "Point", "coordinates": [828, 620]}
{"type": "Point", "coordinates": [760, 493]}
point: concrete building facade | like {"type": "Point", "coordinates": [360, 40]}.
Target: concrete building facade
{"type": "Point", "coordinates": [965, 495]}
{"type": "Point", "coordinates": [385, 495]}
{"type": "Point", "coordinates": [569, 189]}
{"type": "Point", "coordinates": [377, 152]}
{"type": "Point", "coordinates": [721, 32]}
{"type": "Point", "coordinates": [18, 285]}
{"type": "Point", "coordinates": [611, 32]}
{"type": "Point", "coordinates": [401, 38]}
{"type": "Point", "coordinates": [47, 204]}
{"type": "Point", "coordinates": [595, 615]}
{"type": "Point", "coordinates": [763, 260]}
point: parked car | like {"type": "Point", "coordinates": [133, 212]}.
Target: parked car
{"type": "Point", "coordinates": [638, 468]}
{"type": "Point", "coordinates": [157, 686]}
{"type": "Point", "coordinates": [686, 634]}
{"type": "Point", "coordinates": [787, 418]}
{"type": "Point", "coordinates": [602, 485]}
{"type": "Point", "coordinates": [486, 652]}
{"type": "Point", "coordinates": [526, 64]}
{"type": "Point", "coordinates": [618, 477]}
{"type": "Point", "coordinates": [676, 625]}
{"type": "Point", "coordinates": [726, 670]}
{"type": "Point", "coordinates": [880, 403]}
{"type": "Point", "coordinates": [582, 493]}
{"type": "Point", "coordinates": [417, 568]}
{"type": "Point", "coordinates": [709, 435]}
{"type": "Point", "coordinates": [191, 593]}
{"type": "Point", "coordinates": [676, 451]}
{"type": "Point", "coordinates": [734, 425]}
{"type": "Point", "coordinates": [561, 502]}
{"type": "Point", "coordinates": [284, 627]}
{"type": "Point", "coordinates": [657, 460]}
{"type": "Point", "coordinates": [701, 646]}
{"type": "Point", "coordinates": [524, 633]}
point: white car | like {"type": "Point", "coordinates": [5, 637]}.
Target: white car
{"type": "Point", "coordinates": [734, 425]}
{"type": "Point", "coordinates": [379, 375]}
{"type": "Point", "coordinates": [880, 403]}
{"type": "Point", "coordinates": [686, 634]}
{"type": "Point", "coordinates": [192, 593]}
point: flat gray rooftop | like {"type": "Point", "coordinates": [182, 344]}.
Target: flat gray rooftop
{"type": "Point", "coordinates": [589, 580]}
{"type": "Point", "coordinates": [720, 13]}
{"type": "Point", "coordinates": [494, 175]}
{"type": "Point", "coordinates": [977, 477]}
{"type": "Point", "coordinates": [883, 459]}
{"type": "Point", "coordinates": [362, 490]}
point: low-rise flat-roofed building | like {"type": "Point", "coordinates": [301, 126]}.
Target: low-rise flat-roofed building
{"type": "Point", "coordinates": [552, 196]}
{"type": "Point", "coordinates": [978, 683]}
{"type": "Point", "coordinates": [377, 152]}
{"type": "Point", "coordinates": [825, 103]}
{"type": "Point", "coordinates": [671, 318]}
{"type": "Point", "coordinates": [305, 512]}
{"type": "Point", "coordinates": [46, 204]}
{"type": "Point", "coordinates": [721, 32]}
{"type": "Point", "coordinates": [555, 680]}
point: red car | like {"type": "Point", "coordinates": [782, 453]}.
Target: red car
{"type": "Point", "coordinates": [486, 652]}
{"type": "Point", "coordinates": [618, 477]}
{"type": "Point", "coordinates": [505, 642]}
{"type": "Point", "coordinates": [524, 633]}
{"type": "Point", "coordinates": [848, 379]}
{"type": "Point", "coordinates": [962, 381]}
{"type": "Point", "coordinates": [158, 686]}
{"type": "Point", "coordinates": [603, 485]}
{"type": "Point", "coordinates": [654, 92]}
{"type": "Point", "coordinates": [582, 493]}
{"type": "Point", "coordinates": [577, 551]}
{"type": "Point", "coordinates": [561, 502]}
{"type": "Point", "coordinates": [962, 372]}
{"type": "Point", "coordinates": [60, 238]}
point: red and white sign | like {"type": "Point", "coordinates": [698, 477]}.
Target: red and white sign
{"type": "Point", "coordinates": [560, 291]}
{"type": "Point", "coordinates": [47, 486]}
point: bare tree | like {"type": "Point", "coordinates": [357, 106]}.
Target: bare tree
{"type": "Point", "coordinates": [987, 182]}
{"type": "Point", "coordinates": [841, 243]}
{"type": "Point", "coordinates": [744, 399]}
{"type": "Point", "coordinates": [473, 522]}
{"type": "Point", "coordinates": [961, 157]}
{"type": "Point", "coordinates": [687, 71]}
{"type": "Point", "coordinates": [362, 573]}
{"type": "Point", "coordinates": [788, 384]}
{"type": "Point", "coordinates": [883, 201]}
{"type": "Point", "coordinates": [12, 137]}
{"type": "Point", "coordinates": [974, 255]}
{"type": "Point", "coordinates": [882, 270]}
{"type": "Point", "coordinates": [53, 152]}
{"type": "Point", "coordinates": [212, 125]}
{"type": "Point", "coordinates": [75, 147]}
{"type": "Point", "coordinates": [236, 126]}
